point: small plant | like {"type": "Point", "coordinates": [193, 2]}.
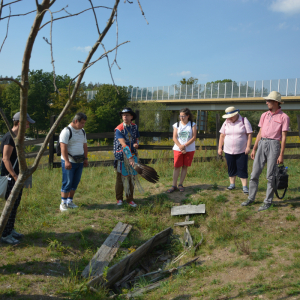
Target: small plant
{"type": "Point", "coordinates": [260, 254]}
{"type": "Point", "coordinates": [105, 271]}
{"type": "Point", "coordinates": [215, 281]}
{"type": "Point", "coordinates": [57, 246]}
{"type": "Point", "coordinates": [221, 198]}
{"type": "Point", "coordinates": [214, 187]}
{"type": "Point", "coordinates": [243, 246]}
{"type": "Point", "coordinates": [290, 217]}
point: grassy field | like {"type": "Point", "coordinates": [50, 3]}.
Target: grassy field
{"type": "Point", "coordinates": [244, 255]}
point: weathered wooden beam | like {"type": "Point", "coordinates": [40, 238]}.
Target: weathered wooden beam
{"type": "Point", "coordinates": [187, 238]}
{"type": "Point", "coordinates": [187, 210]}
{"type": "Point", "coordinates": [184, 223]}
{"type": "Point", "coordinates": [126, 265]}
{"type": "Point", "coordinates": [107, 251]}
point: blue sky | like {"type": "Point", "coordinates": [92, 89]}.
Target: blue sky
{"type": "Point", "coordinates": [210, 40]}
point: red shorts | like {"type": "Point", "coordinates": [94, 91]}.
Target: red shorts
{"type": "Point", "coordinates": [183, 159]}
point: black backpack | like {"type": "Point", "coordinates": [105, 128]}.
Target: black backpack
{"type": "Point", "coordinates": [58, 150]}
{"type": "Point", "coordinates": [280, 180]}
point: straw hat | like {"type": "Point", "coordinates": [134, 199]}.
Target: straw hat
{"type": "Point", "coordinates": [230, 112]}
{"type": "Point", "coordinates": [275, 96]}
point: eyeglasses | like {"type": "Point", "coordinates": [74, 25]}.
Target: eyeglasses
{"type": "Point", "coordinates": [182, 116]}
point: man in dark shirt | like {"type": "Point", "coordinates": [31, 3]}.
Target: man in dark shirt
{"type": "Point", "coordinates": [10, 166]}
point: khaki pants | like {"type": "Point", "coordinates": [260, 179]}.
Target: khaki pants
{"type": "Point", "coordinates": [120, 189]}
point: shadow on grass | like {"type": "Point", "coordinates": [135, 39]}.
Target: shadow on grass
{"type": "Point", "coordinates": [183, 297]}
{"type": "Point", "coordinates": [295, 202]}
{"type": "Point", "coordinates": [15, 296]}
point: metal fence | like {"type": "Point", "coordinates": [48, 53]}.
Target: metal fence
{"type": "Point", "coordinates": [242, 89]}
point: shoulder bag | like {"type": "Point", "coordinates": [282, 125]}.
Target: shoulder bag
{"type": "Point", "coordinates": [4, 183]}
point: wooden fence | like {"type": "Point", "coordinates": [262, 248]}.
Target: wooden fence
{"type": "Point", "coordinates": [110, 135]}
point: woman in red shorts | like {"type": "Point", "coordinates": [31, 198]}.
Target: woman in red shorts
{"type": "Point", "coordinates": [184, 136]}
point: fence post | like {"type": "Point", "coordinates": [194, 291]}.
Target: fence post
{"type": "Point", "coordinates": [51, 144]}
{"type": "Point", "coordinates": [217, 133]}
{"type": "Point", "coordinates": [137, 119]}
{"type": "Point", "coordinates": [298, 121]}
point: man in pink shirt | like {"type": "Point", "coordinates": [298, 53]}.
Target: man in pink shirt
{"type": "Point", "coordinates": [274, 126]}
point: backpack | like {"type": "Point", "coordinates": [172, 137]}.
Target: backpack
{"type": "Point", "coordinates": [58, 150]}
{"type": "Point", "coordinates": [280, 180]}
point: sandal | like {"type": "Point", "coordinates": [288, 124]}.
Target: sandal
{"type": "Point", "coordinates": [172, 189]}
{"type": "Point", "coordinates": [181, 188]}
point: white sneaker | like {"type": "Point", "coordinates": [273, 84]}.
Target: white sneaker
{"type": "Point", "coordinates": [72, 205]}
{"type": "Point", "coordinates": [132, 204]}
{"type": "Point", "coordinates": [120, 202]}
{"type": "Point", "coordinates": [10, 240]}
{"type": "Point", "coordinates": [63, 207]}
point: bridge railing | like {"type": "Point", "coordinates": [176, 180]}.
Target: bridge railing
{"type": "Point", "coordinates": [242, 89]}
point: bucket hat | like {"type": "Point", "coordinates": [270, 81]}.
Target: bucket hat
{"type": "Point", "coordinates": [17, 116]}
{"type": "Point", "coordinates": [275, 96]}
{"type": "Point", "coordinates": [129, 111]}
{"type": "Point", "coordinates": [230, 112]}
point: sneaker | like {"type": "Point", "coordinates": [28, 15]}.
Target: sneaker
{"type": "Point", "coordinates": [132, 204]}
{"type": "Point", "coordinates": [265, 206]}
{"type": "Point", "coordinates": [10, 240]}
{"type": "Point", "coordinates": [230, 187]}
{"type": "Point", "coordinates": [63, 207]}
{"type": "Point", "coordinates": [72, 205]}
{"type": "Point", "coordinates": [17, 235]}
{"type": "Point", "coordinates": [245, 190]}
{"type": "Point", "coordinates": [120, 202]}
{"type": "Point", "coordinates": [248, 202]}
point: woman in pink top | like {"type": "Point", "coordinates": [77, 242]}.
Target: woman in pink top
{"type": "Point", "coordinates": [236, 135]}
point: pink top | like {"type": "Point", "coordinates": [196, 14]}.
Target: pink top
{"type": "Point", "coordinates": [236, 135]}
{"type": "Point", "coordinates": [272, 124]}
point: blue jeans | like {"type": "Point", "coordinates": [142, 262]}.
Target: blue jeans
{"type": "Point", "coordinates": [70, 178]}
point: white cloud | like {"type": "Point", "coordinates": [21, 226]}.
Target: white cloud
{"type": "Point", "coordinates": [283, 25]}
{"type": "Point", "coordinates": [83, 49]}
{"type": "Point", "coordinates": [183, 73]}
{"type": "Point", "coordinates": [286, 6]}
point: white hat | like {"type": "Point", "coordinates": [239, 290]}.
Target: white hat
{"type": "Point", "coordinates": [230, 112]}
{"type": "Point", "coordinates": [275, 96]}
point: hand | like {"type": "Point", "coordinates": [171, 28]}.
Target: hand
{"type": "Point", "coordinates": [86, 163]}
{"type": "Point", "coordinates": [220, 151]}
{"type": "Point", "coordinates": [247, 151]}
{"type": "Point", "coordinates": [181, 147]}
{"type": "Point", "coordinates": [135, 145]}
{"type": "Point", "coordinates": [131, 161]}
{"type": "Point", "coordinates": [280, 159]}
{"type": "Point", "coordinates": [253, 154]}
{"type": "Point", "coordinates": [68, 165]}
{"type": "Point", "coordinates": [15, 177]}
{"type": "Point", "coordinates": [183, 151]}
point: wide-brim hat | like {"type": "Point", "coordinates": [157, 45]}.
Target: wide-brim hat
{"type": "Point", "coordinates": [230, 112]}
{"type": "Point", "coordinates": [275, 96]}
{"type": "Point", "coordinates": [17, 116]}
{"type": "Point", "coordinates": [129, 111]}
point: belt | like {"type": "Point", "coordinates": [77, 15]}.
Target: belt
{"type": "Point", "coordinates": [267, 139]}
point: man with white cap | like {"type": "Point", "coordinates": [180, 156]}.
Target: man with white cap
{"type": "Point", "coordinates": [10, 166]}
{"type": "Point", "coordinates": [274, 125]}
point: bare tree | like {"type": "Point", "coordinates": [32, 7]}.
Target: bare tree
{"type": "Point", "coordinates": [41, 10]}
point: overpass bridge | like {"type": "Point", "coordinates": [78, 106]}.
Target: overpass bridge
{"type": "Point", "coordinates": [245, 95]}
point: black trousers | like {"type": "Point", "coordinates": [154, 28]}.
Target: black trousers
{"type": "Point", "coordinates": [12, 218]}
{"type": "Point", "coordinates": [237, 165]}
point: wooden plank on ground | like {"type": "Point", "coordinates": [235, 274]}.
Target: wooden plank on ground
{"type": "Point", "coordinates": [126, 265]}
{"type": "Point", "coordinates": [107, 251]}
{"type": "Point", "coordinates": [184, 223]}
{"type": "Point", "coordinates": [187, 210]}
{"type": "Point", "coordinates": [187, 238]}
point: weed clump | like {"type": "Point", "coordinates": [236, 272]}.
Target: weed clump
{"type": "Point", "coordinates": [290, 217]}
{"type": "Point", "coordinates": [261, 254]}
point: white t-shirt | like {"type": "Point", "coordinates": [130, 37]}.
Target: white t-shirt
{"type": "Point", "coordinates": [184, 134]}
{"type": "Point", "coordinates": [75, 144]}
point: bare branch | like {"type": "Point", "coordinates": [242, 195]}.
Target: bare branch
{"type": "Point", "coordinates": [12, 2]}
{"type": "Point", "coordinates": [51, 3]}
{"type": "Point", "coordinates": [128, 1]}
{"type": "Point", "coordinates": [37, 4]}
{"type": "Point", "coordinates": [1, 6]}
{"type": "Point", "coordinates": [95, 16]}
{"type": "Point", "coordinates": [6, 29]}
{"type": "Point", "coordinates": [18, 15]}
{"type": "Point", "coordinates": [72, 15]}
{"type": "Point", "coordinates": [6, 123]}
{"type": "Point", "coordinates": [11, 79]}
{"type": "Point", "coordinates": [142, 11]}
{"type": "Point", "coordinates": [117, 41]}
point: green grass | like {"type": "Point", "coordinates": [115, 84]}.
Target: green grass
{"type": "Point", "coordinates": [57, 246]}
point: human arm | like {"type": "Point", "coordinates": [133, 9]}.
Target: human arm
{"type": "Point", "coordinates": [175, 134]}
{"type": "Point", "coordinates": [7, 151]}
{"type": "Point", "coordinates": [123, 143]}
{"type": "Point", "coordinates": [64, 152]}
{"type": "Point", "coordinates": [192, 140]}
{"type": "Point", "coordinates": [249, 141]}
{"type": "Point", "coordinates": [258, 138]}
{"type": "Point", "coordinates": [85, 149]}
{"type": "Point", "coordinates": [283, 142]}
{"type": "Point", "coordinates": [221, 143]}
